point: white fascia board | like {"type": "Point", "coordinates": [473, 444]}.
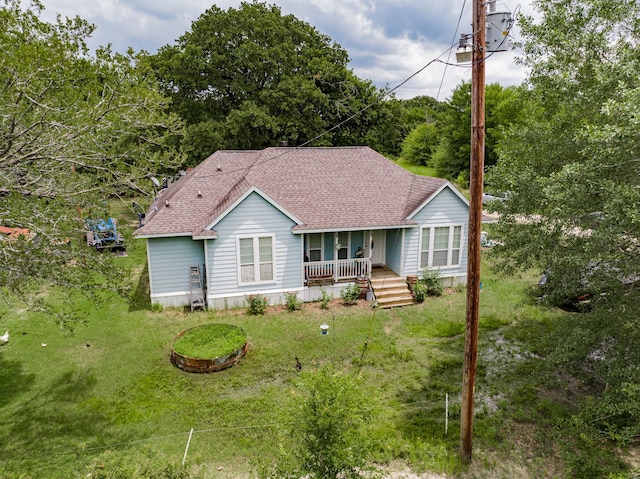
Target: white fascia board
{"type": "Point", "coordinates": [205, 237]}
{"type": "Point", "coordinates": [354, 228]}
{"type": "Point", "coordinates": [162, 235]}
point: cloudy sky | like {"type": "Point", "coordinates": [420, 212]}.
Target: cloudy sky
{"type": "Point", "coordinates": [387, 40]}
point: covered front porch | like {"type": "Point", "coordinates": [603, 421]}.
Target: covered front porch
{"type": "Point", "coordinates": [321, 272]}
{"type": "Point", "coordinates": [341, 256]}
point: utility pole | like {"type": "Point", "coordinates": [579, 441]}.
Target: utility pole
{"type": "Point", "coordinates": [475, 227]}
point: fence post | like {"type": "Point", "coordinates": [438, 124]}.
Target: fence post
{"type": "Point", "coordinates": [446, 413]}
{"type": "Point", "coordinates": [184, 459]}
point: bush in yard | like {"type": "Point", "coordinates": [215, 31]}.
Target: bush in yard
{"type": "Point", "coordinates": [430, 279]}
{"type": "Point", "coordinates": [330, 426]}
{"type": "Point", "coordinates": [325, 299]}
{"type": "Point", "coordinates": [350, 295]}
{"type": "Point", "coordinates": [256, 304]}
{"type": "Point", "coordinates": [419, 292]}
{"type": "Point", "coordinates": [292, 301]}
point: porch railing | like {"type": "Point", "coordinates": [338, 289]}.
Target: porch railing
{"type": "Point", "coordinates": [338, 269]}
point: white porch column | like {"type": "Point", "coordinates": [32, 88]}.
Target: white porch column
{"type": "Point", "coordinates": [402, 275]}
{"type": "Point", "coordinates": [335, 256]}
{"type": "Point", "coordinates": [370, 251]}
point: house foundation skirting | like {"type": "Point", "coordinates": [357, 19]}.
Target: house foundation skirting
{"type": "Point", "coordinates": [314, 293]}
{"type": "Point", "coordinates": [229, 301]}
{"type": "Point", "coordinates": [171, 300]}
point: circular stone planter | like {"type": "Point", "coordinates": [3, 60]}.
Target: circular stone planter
{"type": "Point", "coordinates": [208, 348]}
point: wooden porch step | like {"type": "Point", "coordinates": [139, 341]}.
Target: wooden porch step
{"type": "Point", "coordinates": [390, 290]}
{"type": "Point", "coordinates": [395, 302]}
{"type": "Point", "coordinates": [382, 283]}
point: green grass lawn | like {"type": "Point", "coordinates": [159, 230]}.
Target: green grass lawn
{"type": "Point", "coordinates": [107, 394]}
{"type": "Point", "coordinates": [416, 169]}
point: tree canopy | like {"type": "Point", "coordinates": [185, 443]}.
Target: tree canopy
{"type": "Point", "coordinates": [452, 156]}
{"type": "Point", "coordinates": [573, 174]}
{"type": "Point", "coordinates": [76, 131]}
{"type": "Point", "coordinates": [572, 167]}
{"type": "Point", "coordinates": [438, 134]}
{"type": "Point", "coordinates": [251, 77]}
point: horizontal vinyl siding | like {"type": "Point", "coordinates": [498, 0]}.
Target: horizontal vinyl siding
{"type": "Point", "coordinates": [447, 208]}
{"type": "Point", "coordinates": [393, 253]}
{"type": "Point", "coordinates": [357, 240]}
{"type": "Point", "coordinates": [169, 262]}
{"type": "Point", "coordinates": [254, 216]}
{"type": "Point", "coordinates": [329, 246]}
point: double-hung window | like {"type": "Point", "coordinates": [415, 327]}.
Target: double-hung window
{"type": "Point", "coordinates": [343, 244]}
{"type": "Point", "coordinates": [255, 258]}
{"type": "Point", "coordinates": [440, 246]}
{"type": "Point", "coordinates": [315, 246]}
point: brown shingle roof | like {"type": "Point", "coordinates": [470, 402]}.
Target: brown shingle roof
{"type": "Point", "coordinates": [325, 188]}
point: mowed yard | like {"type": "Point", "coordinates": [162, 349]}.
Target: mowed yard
{"type": "Point", "coordinates": [106, 396]}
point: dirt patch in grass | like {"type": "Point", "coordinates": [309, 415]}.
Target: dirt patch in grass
{"type": "Point", "coordinates": [523, 458]}
{"type": "Point", "coordinates": [632, 458]}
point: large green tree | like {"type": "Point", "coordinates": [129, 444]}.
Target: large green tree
{"type": "Point", "coordinates": [75, 131]}
{"type": "Point", "coordinates": [573, 173]}
{"type": "Point", "coordinates": [252, 77]}
{"type": "Point", "coordinates": [452, 156]}
{"type": "Point", "coordinates": [420, 144]}
{"type": "Point", "coordinates": [419, 124]}
{"type": "Point", "coordinates": [394, 119]}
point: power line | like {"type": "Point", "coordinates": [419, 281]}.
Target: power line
{"type": "Point", "coordinates": [455, 35]}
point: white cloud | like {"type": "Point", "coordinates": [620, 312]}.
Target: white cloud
{"type": "Point", "coordinates": [387, 40]}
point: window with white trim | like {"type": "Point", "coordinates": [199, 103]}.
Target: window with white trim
{"type": "Point", "coordinates": [255, 256]}
{"type": "Point", "coordinates": [343, 244]}
{"type": "Point", "coordinates": [440, 246]}
{"type": "Point", "coordinates": [315, 246]}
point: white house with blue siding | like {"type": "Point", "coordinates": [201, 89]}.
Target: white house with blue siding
{"type": "Point", "coordinates": [301, 220]}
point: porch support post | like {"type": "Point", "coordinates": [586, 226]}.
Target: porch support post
{"type": "Point", "coordinates": [402, 268]}
{"type": "Point", "coordinates": [370, 251]}
{"type": "Point", "coordinates": [304, 255]}
{"type": "Point", "coordinates": [335, 257]}
{"type": "Point", "coordinates": [205, 283]}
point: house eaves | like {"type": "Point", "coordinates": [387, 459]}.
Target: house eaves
{"type": "Point", "coordinates": [162, 235]}
{"type": "Point", "coordinates": [303, 230]}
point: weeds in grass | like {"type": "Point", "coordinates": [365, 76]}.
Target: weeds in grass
{"type": "Point", "coordinates": [156, 307]}
{"type": "Point", "coordinates": [113, 464]}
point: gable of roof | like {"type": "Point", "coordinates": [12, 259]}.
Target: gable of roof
{"type": "Point", "coordinates": [446, 185]}
{"type": "Point", "coordinates": [217, 217]}
{"type": "Point", "coordinates": [321, 188]}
